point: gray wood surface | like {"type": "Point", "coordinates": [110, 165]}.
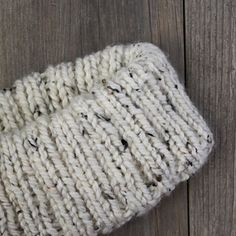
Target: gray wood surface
{"type": "Point", "coordinates": [199, 38]}
{"type": "Point", "coordinates": [211, 83]}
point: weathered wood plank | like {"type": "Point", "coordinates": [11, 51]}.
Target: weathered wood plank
{"type": "Point", "coordinates": [211, 73]}
{"type": "Point", "coordinates": [161, 22]}
{"type": "Point", "coordinates": [89, 18]}
{"type": "Point", "coordinates": [123, 21]}
{"type": "Point", "coordinates": [167, 24]}
{"type": "Point", "coordinates": [34, 34]}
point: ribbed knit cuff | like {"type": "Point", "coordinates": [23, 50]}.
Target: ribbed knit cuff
{"type": "Point", "coordinates": [111, 153]}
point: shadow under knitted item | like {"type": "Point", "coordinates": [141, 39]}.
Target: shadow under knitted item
{"type": "Point", "coordinates": [86, 147]}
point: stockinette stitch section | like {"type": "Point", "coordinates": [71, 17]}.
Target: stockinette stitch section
{"type": "Point", "coordinates": [87, 146]}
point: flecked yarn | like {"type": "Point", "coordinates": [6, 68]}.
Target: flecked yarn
{"type": "Point", "coordinates": [86, 146]}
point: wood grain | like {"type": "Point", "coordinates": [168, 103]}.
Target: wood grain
{"type": "Point", "coordinates": [199, 38]}
{"type": "Point", "coordinates": [167, 24]}
{"type": "Point", "coordinates": [34, 34]}
{"type": "Point", "coordinates": [211, 73]}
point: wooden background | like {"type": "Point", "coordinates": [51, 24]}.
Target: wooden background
{"type": "Point", "coordinates": [199, 37]}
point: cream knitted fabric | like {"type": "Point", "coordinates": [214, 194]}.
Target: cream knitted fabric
{"type": "Point", "coordinates": [87, 146]}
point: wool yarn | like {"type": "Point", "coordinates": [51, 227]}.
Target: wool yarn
{"type": "Point", "coordinates": [86, 146]}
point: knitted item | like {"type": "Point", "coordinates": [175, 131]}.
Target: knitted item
{"type": "Point", "coordinates": [86, 164]}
